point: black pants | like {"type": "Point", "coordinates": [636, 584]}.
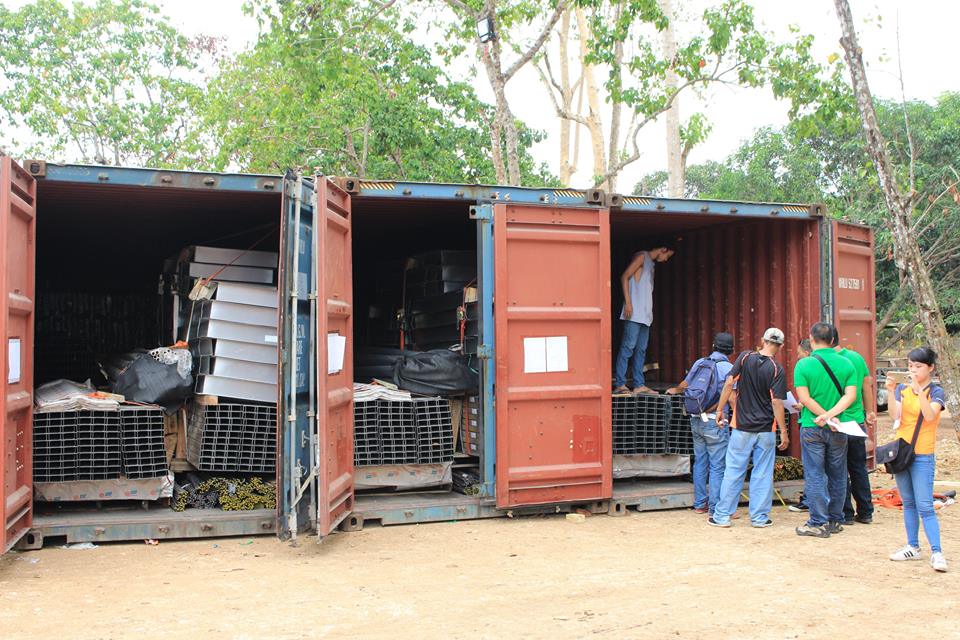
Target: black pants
{"type": "Point", "coordinates": [858, 483]}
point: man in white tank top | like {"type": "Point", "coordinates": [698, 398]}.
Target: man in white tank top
{"type": "Point", "coordinates": [637, 284]}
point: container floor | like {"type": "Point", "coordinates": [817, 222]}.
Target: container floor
{"type": "Point", "coordinates": [135, 523]}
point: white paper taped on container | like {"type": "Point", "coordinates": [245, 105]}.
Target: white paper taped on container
{"type": "Point", "coordinates": [336, 349]}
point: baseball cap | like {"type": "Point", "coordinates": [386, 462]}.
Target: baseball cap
{"type": "Point", "coordinates": [773, 335]}
{"type": "Point", "coordinates": [723, 341]}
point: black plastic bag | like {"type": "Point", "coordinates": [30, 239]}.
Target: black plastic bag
{"type": "Point", "coordinates": [435, 373]}
{"type": "Point", "coordinates": [138, 377]}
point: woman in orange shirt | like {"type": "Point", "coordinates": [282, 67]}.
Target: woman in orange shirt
{"type": "Point", "coordinates": [908, 403]}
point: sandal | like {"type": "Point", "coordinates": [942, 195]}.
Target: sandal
{"type": "Point", "coordinates": [621, 390]}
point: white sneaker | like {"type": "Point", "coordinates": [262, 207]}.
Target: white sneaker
{"type": "Point", "coordinates": [938, 562]}
{"type": "Point", "coordinates": [906, 553]}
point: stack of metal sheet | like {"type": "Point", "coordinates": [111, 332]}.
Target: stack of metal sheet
{"type": "Point", "coordinates": [398, 432]}
{"type": "Point", "coordinates": [233, 437]}
{"type": "Point", "coordinates": [99, 445]}
{"type": "Point", "coordinates": [366, 439]}
{"type": "Point", "coordinates": [234, 339]}
{"type": "Point", "coordinates": [679, 438]}
{"type": "Point", "coordinates": [640, 424]}
{"type": "Point", "coordinates": [414, 431]}
{"type": "Point", "coordinates": [141, 436]}
{"type": "Point", "coordinates": [434, 430]}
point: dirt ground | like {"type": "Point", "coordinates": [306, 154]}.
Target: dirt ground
{"type": "Point", "coordinates": [646, 575]}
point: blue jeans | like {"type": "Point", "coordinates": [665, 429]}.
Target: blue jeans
{"type": "Point", "coordinates": [916, 491]}
{"type": "Point", "coordinates": [824, 455]}
{"type": "Point", "coordinates": [709, 459]}
{"type": "Point", "coordinates": [762, 447]}
{"type": "Point", "coordinates": [633, 343]}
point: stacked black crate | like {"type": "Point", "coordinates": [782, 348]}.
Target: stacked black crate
{"type": "Point", "coordinates": [397, 427]}
{"type": "Point", "coordinates": [55, 446]}
{"type": "Point", "coordinates": [434, 430]}
{"type": "Point", "coordinates": [99, 455]}
{"type": "Point", "coordinates": [441, 300]}
{"type": "Point", "coordinates": [624, 424]}
{"type": "Point", "coordinates": [679, 438]}
{"type": "Point", "coordinates": [366, 438]}
{"type": "Point", "coordinates": [144, 453]}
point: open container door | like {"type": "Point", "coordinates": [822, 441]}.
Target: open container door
{"type": "Point", "coordinates": [18, 209]}
{"type": "Point", "coordinates": [334, 263]}
{"type": "Point", "coordinates": [297, 334]}
{"type": "Point", "coordinates": [855, 311]}
{"type": "Point", "coordinates": [552, 336]}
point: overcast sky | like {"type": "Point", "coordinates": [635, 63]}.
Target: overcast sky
{"type": "Point", "coordinates": [928, 52]}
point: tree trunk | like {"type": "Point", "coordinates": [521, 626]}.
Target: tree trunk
{"type": "Point", "coordinates": [906, 250]}
{"type": "Point", "coordinates": [675, 156]}
{"type": "Point", "coordinates": [594, 124]}
{"type": "Point", "coordinates": [566, 97]}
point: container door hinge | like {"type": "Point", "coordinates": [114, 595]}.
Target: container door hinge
{"type": "Point", "coordinates": [481, 212]}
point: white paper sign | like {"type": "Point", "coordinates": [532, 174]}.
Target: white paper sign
{"type": "Point", "coordinates": [336, 348]}
{"type": "Point", "coordinates": [791, 403]}
{"type": "Point", "coordinates": [13, 360]}
{"type": "Point", "coordinates": [849, 427]}
{"type": "Point", "coordinates": [557, 354]}
{"type": "Point", "coordinates": [534, 355]}
{"type": "Point", "coordinates": [545, 355]}
{"type": "Point", "coordinates": [270, 339]}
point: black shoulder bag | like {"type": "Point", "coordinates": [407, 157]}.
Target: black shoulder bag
{"type": "Point", "coordinates": [830, 373]}
{"type": "Point", "coordinates": [897, 456]}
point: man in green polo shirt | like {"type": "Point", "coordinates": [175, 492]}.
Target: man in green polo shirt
{"type": "Point", "coordinates": [862, 411]}
{"type": "Point", "coordinates": [826, 387]}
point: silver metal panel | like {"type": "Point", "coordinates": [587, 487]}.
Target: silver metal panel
{"type": "Point", "coordinates": [235, 274]}
{"type": "Point", "coordinates": [236, 257]}
{"type": "Point", "coordinates": [239, 369]}
{"type": "Point", "coordinates": [243, 293]}
{"type": "Point", "coordinates": [252, 334]}
{"type": "Point", "coordinates": [240, 313]}
{"type": "Point", "coordinates": [240, 389]}
{"type": "Point", "coordinates": [266, 354]}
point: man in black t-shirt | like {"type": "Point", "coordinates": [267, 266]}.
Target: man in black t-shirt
{"type": "Point", "coordinates": [761, 390]}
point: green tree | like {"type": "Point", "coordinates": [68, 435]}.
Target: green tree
{"type": "Point", "coordinates": [342, 87]}
{"type": "Point", "coordinates": [728, 48]}
{"type": "Point", "coordinates": [831, 166]}
{"type": "Point", "coordinates": [107, 82]}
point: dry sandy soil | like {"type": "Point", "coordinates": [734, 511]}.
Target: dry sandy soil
{"type": "Point", "coordinates": [647, 575]}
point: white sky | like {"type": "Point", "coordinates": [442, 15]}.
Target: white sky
{"type": "Point", "coordinates": [928, 51]}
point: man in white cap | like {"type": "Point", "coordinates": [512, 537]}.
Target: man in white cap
{"type": "Point", "coordinates": [761, 390]}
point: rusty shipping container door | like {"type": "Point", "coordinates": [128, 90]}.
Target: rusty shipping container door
{"type": "Point", "coordinates": [855, 311]}
{"type": "Point", "coordinates": [335, 393]}
{"type": "Point", "coordinates": [552, 319]}
{"type": "Point", "coordinates": [18, 274]}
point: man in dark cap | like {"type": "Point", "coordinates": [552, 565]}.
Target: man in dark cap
{"type": "Point", "coordinates": [701, 389]}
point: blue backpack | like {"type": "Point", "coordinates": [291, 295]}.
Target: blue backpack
{"type": "Point", "coordinates": [704, 388]}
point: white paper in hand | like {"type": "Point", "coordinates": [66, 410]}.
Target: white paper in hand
{"type": "Point", "coordinates": [791, 403]}
{"type": "Point", "coordinates": [849, 427]}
